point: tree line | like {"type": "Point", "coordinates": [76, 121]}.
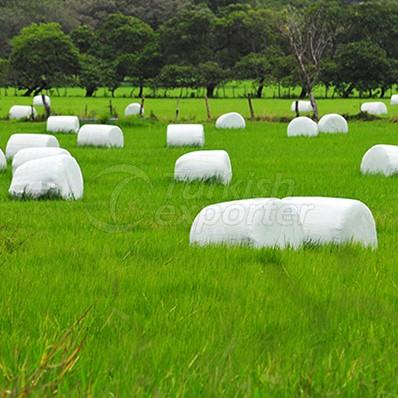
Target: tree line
{"type": "Point", "coordinates": [347, 47]}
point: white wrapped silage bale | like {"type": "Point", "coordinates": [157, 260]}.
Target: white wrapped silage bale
{"type": "Point", "coordinates": [3, 161]}
{"type": "Point", "coordinates": [28, 154]}
{"type": "Point", "coordinates": [231, 120]}
{"type": "Point", "coordinates": [185, 135]}
{"type": "Point", "coordinates": [63, 124]}
{"type": "Point", "coordinates": [255, 222]}
{"type": "Point", "coordinates": [55, 176]}
{"type": "Point", "coordinates": [380, 159]}
{"type": "Point", "coordinates": [20, 141]}
{"type": "Point", "coordinates": [333, 123]}
{"type": "Point", "coordinates": [394, 99]}
{"type": "Point", "coordinates": [302, 126]}
{"type": "Point", "coordinates": [21, 112]}
{"type": "Point", "coordinates": [204, 165]}
{"type": "Point", "coordinates": [303, 106]}
{"type": "Point", "coordinates": [38, 100]}
{"type": "Point", "coordinates": [133, 109]}
{"type": "Point", "coordinates": [335, 220]}
{"type": "Point", "coordinates": [100, 135]}
{"type": "Point", "coordinates": [374, 108]}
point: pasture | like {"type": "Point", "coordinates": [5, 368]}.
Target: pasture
{"type": "Point", "coordinates": [161, 318]}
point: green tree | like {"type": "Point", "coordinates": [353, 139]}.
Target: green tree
{"type": "Point", "coordinates": [43, 57]}
{"type": "Point", "coordinates": [210, 75]}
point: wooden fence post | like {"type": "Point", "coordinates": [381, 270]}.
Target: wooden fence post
{"type": "Point", "coordinates": [142, 106]}
{"type": "Point", "coordinates": [249, 99]}
{"type": "Point", "coordinates": [208, 109]}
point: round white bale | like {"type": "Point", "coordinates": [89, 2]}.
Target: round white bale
{"type": "Point", "coordinates": [185, 135]}
{"type": "Point", "coordinates": [38, 100]}
{"type": "Point", "coordinates": [333, 123]}
{"type": "Point", "coordinates": [63, 124]}
{"type": "Point", "coordinates": [133, 109]}
{"type": "Point", "coordinates": [374, 108]}
{"type": "Point", "coordinates": [204, 165]}
{"type": "Point", "coordinates": [18, 112]}
{"type": "Point", "coordinates": [3, 161]}
{"type": "Point", "coordinates": [21, 141]}
{"type": "Point", "coordinates": [56, 176]}
{"type": "Point", "coordinates": [380, 159]}
{"type": "Point", "coordinates": [394, 99]}
{"type": "Point", "coordinates": [100, 135]}
{"type": "Point", "coordinates": [28, 154]}
{"type": "Point", "coordinates": [335, 220]}
{"type": "Point", "coordinates": [231, 120]}
{"type": "Point", "coordinates": [302, 126]}
{"type": "Point", "coordinates": [255, 222]}
{"type": "Point", "coordinates": [303, 106]}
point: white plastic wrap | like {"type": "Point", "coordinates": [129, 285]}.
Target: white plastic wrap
{"type": "Point", "coordinates": [28, 154]}
{"type": "Point", "coordinates": [22, 112]}
{"type": "Point", "coordinates": [374, 108]}
{"type": "Point", "coordinates": [38, 100]}
{"type": "Point", "coordinates": [204, 165]}
{"type": "Point", "coordinates": [254, 222]}
{"type": "Point", "coordinates": [133, 109]}
{"type": "Point", "coordinates": [231, 120]}
{"type": "Point", "coordinates": [303, 106]}
{"type": "Point", "coordinates": [3, 161]}
{"type": "Point", "coordinates": [100, 135]}
{"type": "Point", "coordinates": [380, 159]}
{"type": "Point", "coordinates": [302, 126]}
{"type": "Point", "coordinates": [53, 177]}
{"type": "Point", "coordinates": [333, 123]}
{"type": "Point", "coordinates": [335, 220]}
{"type": "Point", "coordinates": [185, 135]}
{"type": "Point", "coordinates": [20, 141]}
{"type": "Point", "coordinates": [63, 124]}
{"type": "Point", "coordinates": [394, 99]}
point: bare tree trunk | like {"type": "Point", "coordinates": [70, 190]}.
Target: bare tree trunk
{"type": "Point", "coordinates": [46, 106]}
{"type": "Point", "coordinates": [314, 106]}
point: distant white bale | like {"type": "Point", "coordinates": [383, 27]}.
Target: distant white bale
{"type": "Point", "coordinates": [38, 100]}
{"type": "Point", "coordinates": [255, 222]}
{"type": "Point", "coordinates": [335, 220]}
{"type": "Point", "coordinates": [231, 120]}
{"type": "Point", "coordinates": [55, 176]}
{"type": "Point", "coordinates": [100, 135]}
{"type": "Point", "coordinates": [28, 154]}
{"type": "Point", "coordinates": [333, 123]}
{"type": "Point", "coordinates": [21, 141]}
{"type": "Point", "coordinates": [22, 112]}
{"type": "Point", "coordinates": [380, 159]}
{"type": "Point", "coordinates": [204, 165]}
{"type": "Point", "coordinates": [303, 106]}
{"type": "Point", "coordinates": [394, 99]}
{"type": "Point", "coordinates": [185, 135]}
{"type": "Point", "coordinates": [302, 126]}
{"type": "Point", "coordinates": [63, 124]}
{"type": "Point", "coordinates": [374, 108]}
{"type": "Point", "coordinates": [133, 109]}
{"type": "Point", "coordinates": [3, 161]}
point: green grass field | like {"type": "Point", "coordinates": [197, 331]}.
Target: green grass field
{"type": "Point", "coordinates": [161, 318]}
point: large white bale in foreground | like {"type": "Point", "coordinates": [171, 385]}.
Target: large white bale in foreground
{"type": "Point", "coordinates": [100, 135]}
{"type": "Point", "coordinates": [335, 220]}
{"type": "Point", "coordinates": [303, 106]}
{"type": "Point", "coordinates": [38, 100]}
{"type": "Point", "coordinates": [28, 154]}
{"type": "Point", "coordinates": [374, 108]}
{"type": "Point", "coordinates": [333, 123]}
{"type": "Point", "coordinates": [380, 159]}
{"type": "Point", "coordinates": [394, 99]}
{"type": "Point", "coordinates": [204, 165]}
{"type": "Point", "coordinates": [185, 135]}
{"type": "Point", "coordinates": [20, 141]}
{"type": "Point", "coordinates": [133, 109]}
{"type": "Point", "coordinates": [254, 222]}
{"type": "Point", "coordinates": [63, 124]}
{"type": "Point", "coordinates": [22, 112]}
{"type": "Point", "coordinates": [55, 176]}
{"type": "Point", "coordinates": [302, 126]}
{"type": "Point", "coordinates": [231, 120]}
{"type": "Point", "coordinates": [3, 161]}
